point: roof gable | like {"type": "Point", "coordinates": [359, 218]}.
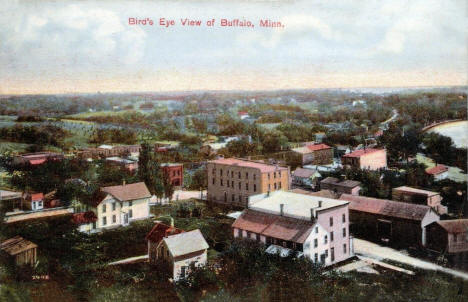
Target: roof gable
{"type": "Point", "coordinates": [185, 243]}
{"type": "Point", "coordinates": [128, 192]}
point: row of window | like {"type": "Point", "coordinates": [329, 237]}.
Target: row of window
{"type": "Point", "coordinates": [332, 254]}
{"type": "Point", "coordinates": [239, 174]}
{"type": "Point", "coordinates": [325, 238]}
{"type": "Point", "coordinates": [104, 206]}
{"type": "Point", "coordinates": [230, 184]}
{"type": "Point", "coordinates": [343, 219]}
{"type": "Point", "coordinates": [114, 217]}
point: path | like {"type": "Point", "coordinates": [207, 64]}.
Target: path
{"type": "Point", "coordinates": [141, 258]}
{"type": "Point", "coordinates": [377, 252]}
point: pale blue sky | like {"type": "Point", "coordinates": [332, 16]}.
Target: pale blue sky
{"type": "Point", "coordinates": [88, 46]}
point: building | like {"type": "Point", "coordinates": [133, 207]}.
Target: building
{"type": "Point", "coordinates": [84, 221]}
{"type": "Point", "coordinates": [340, 187]}
{"type": "Point", "coordinates": [154, 237]}
{"type": "Point", "coordinates": [418, 196]}
{"type": "Point", "coordinates": [10, 200]}
{"type": "Point", "coordinates": [119, 205]}
{"type": "Point", "coordinates": [178, 250]}
{"type": "Point", "coordinates": [369, 159]}
{"type": "Point", "coordinates": [305, 178]}
{"type": "Point", "coordinates": [231, 181]}
{"type": "Point", "coordinates": [37, 158]}
{"type": "Point", "coordinates": [393, 222]}
{"type": "Point", "coordinates": [175, 173]}
{"type": "Point", "coordinates": [439, 172]}
{"type": "Point", "coordinates": [124, 163]}
{"type": "Point", "coordinates": [33, 201]}
{"type": "Point", "coordinates": [105, 151]}
{"type": "Point", "coordinates": [450, 238]}
{"type": "Point", "coordinates": [316, 154]}
{"type": "Point", "coordinates": [23, 251]}
{"type": "Point", "coordinates": [315, 227]}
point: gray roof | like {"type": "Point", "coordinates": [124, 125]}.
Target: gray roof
{"type": "Point", "coordinates": [306, 173]}
{"type": "Point", "coordinates": [186, 243]}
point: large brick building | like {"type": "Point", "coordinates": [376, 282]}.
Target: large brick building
{"type": "Point", "coordinates": [175, 173]}
{"type": "Point", "coordinates": [369, 159]}
{"type": "Point", "coordinates": [232, 181]}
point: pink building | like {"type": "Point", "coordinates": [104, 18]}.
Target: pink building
{"type": "Point", "coordinates": [418, 196]}
{"type": "Point", "coordinates": [370, 159]}
{"type": "Point", "coordinates": [315, 227]}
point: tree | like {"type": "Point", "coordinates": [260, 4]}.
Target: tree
{"type": "Point", "coordinates": [168, 187]}
{"type": "Point", "coordinates": [273, 141]}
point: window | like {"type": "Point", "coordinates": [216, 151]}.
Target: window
{"type": "Point", "coordinates": [227, 183]}
{"type": "Point", "coordinates": [344, 232]}
{"type": "Point", "coordinates": [232, 184]}
{"type": "Point", "coordinates": [104, 220]}
{"type": "Point", "coordinates": [279, 185]}
{"type": "Point", "coordinates": [344, 218]}
{"type": "Point", "coordinates": [344, 248]}
{"type": "Point", "coordinates": [114, 219]}
{"type": "Point", "coordinates": [130, 203]}
{"type": "Point", "coordinates": [130, 213]}
{"type": "Point", "coordinates": [331, 221]}
{"type": "Point", "coordinates": [274, 185]}
{"type": "Point", "coordinates": [104, 208]}
{"type": "Point", "coordinates": [269, 187]}
{"type": "Point", "coordinates": [332, 254]}
{"type": "Point", "coordinates": [221, 182]}
{"type": "Point", "coordinates": [255, 176]}
{"type": "Point", "coordinates": [325, 239]}
{"type": "Point", "coordinates": [233, 197]}
{"type": "Point", "coordinates": [113, 206]}
{"type": "Point", "coordinates": [239, 175]}
{"type": "Point", "coordinates": [315, 242]}
{"type": "Point", "coordinates": [240, 198]}
{"type": "Point", "coordinates": [316, 230]}
{"type": "Point", "coordinates": [214, 171]}
{"type": "Point", "coordinates": [331, 236]}
{"type": "Point", "coordinates": [258, 237]}
{"type": "Point", "coordinates": [279, 174]}
{"type": "Point", "coordinates": [94, 225]}
{"type": "Point", "coordinates": [268, 175]}
{"type": "Point", "coordinates": [246, 175]}
{"type": "Point", "coordinates": [232, 174]}
{"type": "Point", "coordinates": [213, 181]}
{"type": "Point", "coordinates": [326, 253]}
{"type": "Point", "coordinates": [274, 174]}
{"type": "Point", "coordinates": [239, 185]}
{"type": "Point", "coordinates": [221, 172]}
{"type": "Point", "coordinates": [246, 186]}
{"type": "Point", "coordinates": [255, 188]}
{"type": "Point", "coordinates": [315, 257]}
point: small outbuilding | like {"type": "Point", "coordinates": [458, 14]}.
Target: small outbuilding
{"type": "Point", "coordinates": [23, 251]}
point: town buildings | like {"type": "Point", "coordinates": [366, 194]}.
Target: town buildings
{"type": "Point", "coordinates": [316, 154]}
{"type": "Point", "coordinates": [105, 151]}
{"type": "Point", "coordinates": [120, 205]}
{"type": "Point", "coordinates": [23, 251]}
{"type": "Point", "coordinates": [439, 172]}
{"type": "Point", "coordinates": [33, 201]}
{"type": "Point", "coordinates": [315, 227]}
{"type": "Point", "coordinates": [37, 158]}
{"type": "Point", "coordinates": [176, 249]}
{"type": "Point", "coordinates": [85, 221]}
{"type": "Point", "coordinates": [231, 180]}
{"type": "Point", "coordinates": [340, 187]}
{"type": "Point", "coordinates": [305, 178]}
{"type": "Point", "coordinates": [450, 238]}
{"type": "Point", "coordinates": [175, 173]}
{"type": "Point", "coordinates": [124, 163]}
{"type": "Point", "coordinates": [393, 222]}
{"type": "Point", "coordinates": [370, 159]}
{"type": "Point", "coordinates": [418, 196]}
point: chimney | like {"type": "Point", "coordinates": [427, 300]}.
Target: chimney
{"type": "Point", "coordinates": [312, 214]}
{"type": "Point", "coordinates": [281, 209]}
{"type": "Point", "coordinates": [320, 204]}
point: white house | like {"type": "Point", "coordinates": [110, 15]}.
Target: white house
{"type": "Point", "coordinates": [120, 205]}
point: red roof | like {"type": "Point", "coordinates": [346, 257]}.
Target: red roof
{"type": "Point", "coordinates": [37, 196]}
{"type": "Point", "coordinates": [359, 153]}
{"type": "Point", "coordinates": [318, 147]}
{"type": "Point", "coordinates": [455, 225]}
{"type": "Point", "coordinates": [250, 164]}
{"type": "Point", "coordinates": [275, 226]}
{"type": "Point", "coordinates": [160, 231]}
{"type": "Point", "coordinates": [37, 161]}
{"type": "Point", "coordinates": [243, 113]}
{"type": "Point", "coordinates": [437, 170]}
{"type": "Point", "coordinates": [83, 218]}
{"type": "Point", "coordinates": [386, 207]}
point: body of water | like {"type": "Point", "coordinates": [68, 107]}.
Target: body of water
{"type": "Point", "coordinates": [458, 131]}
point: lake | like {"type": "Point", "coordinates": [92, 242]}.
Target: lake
{"type": "Point", "coordinates": [458, 131]}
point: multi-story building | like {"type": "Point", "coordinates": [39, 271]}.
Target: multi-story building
{"type": "Point", "coordinates": [418, 196]}
{"type": "Point", "coordinates": [315, 154]}
{"type": "Point", "coordinates": [369, 159]}
{"type": "Point", "coordinates": [106, 151]}
{"type": "Point", "coordinates": [232, 181]}
{"type": "Point", "coordinates": [119, 205]}
{"type": "Point", "coordinates": [315, 227]}
{"type": "Point", "coordinates": [37, 158]}
{"type": "Point", "coordinates": [340, 187]}
{"type": "Point", "coordinates": [175, 173]}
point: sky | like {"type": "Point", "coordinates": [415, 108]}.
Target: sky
{"type": "Point", "coordinates": [88, 46]}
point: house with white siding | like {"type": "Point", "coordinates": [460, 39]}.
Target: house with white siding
{"type": "Point", "coordinates": [310, 226]}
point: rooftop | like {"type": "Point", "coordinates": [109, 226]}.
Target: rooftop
{"type": "Point", "coordinates": [415, 191]}
{"type": "Point", "coordinates": [264, 168]}
{"type": "Point", "coordinates": [186, 243]}
{"type": "Point", "coordinates": [16, 245]}
{"type": "Point", "coordinates": [294, 205]}
{"type": "Point", "coordinates": [161, 230]}
{"type": "Point", "coordinates": [455, 225]}
{"type": "Point", "coordinates": [301, 172]}
{"type": "Point", "coordinates": [128, 192]}
{"type": "Point", "coordinates": [437, 169]}
{"type": "Point", "coordinates": [362, 152]}
{"type": "Point", "coordinates": [386, 207]}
